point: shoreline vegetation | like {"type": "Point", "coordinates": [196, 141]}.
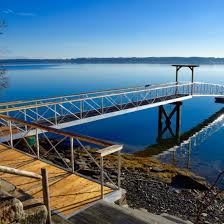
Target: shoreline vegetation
{"type": "Point", "coordinates": [150, 184]}
{"type": "Point", "coordinates": [122, 60]}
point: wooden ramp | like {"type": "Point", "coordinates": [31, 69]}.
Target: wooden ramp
{"type": "Point", "coordinates": [68, 192]}
{"type": "Point", "coordinates": [108, 213]}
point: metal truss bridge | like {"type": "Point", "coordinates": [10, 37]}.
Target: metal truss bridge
{"type": "Point", "coordinates": [65, 111]}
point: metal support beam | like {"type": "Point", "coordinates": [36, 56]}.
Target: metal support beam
{"type": "Point", "coordinates": [72, 155]}
{"type": "Point", "coordinates": [10, 131]}
{"type": "Point", "coordinates": [37, 143]}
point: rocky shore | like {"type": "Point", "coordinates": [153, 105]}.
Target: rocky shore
{"type": "Point", "coordinates": [152, 185]}
{"type": "Point", "coordinates": [161, 188]}
{"type": "Point", "coordinates": [157, 196]}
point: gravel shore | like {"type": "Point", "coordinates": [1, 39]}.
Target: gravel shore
{"type": "Point", "coordinates": [156, 196]}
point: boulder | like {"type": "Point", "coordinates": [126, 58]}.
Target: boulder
{"type": "Point", "coordinates": [157, 169]}
{"type": "Point", "coordinates": [11, 209]}
{"type": "Point", "coordinates": [35, 212]}
{"type": "Point", "coordinates": [186, 182]}
{"type": "Point", "coordinates": [28, 211]}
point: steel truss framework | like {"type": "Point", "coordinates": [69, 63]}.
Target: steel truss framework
{"type": "Point", "coordinates": [65, 111]}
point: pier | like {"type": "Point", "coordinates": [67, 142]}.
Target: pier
{"type": "Point", "coordinates": [31, 139]}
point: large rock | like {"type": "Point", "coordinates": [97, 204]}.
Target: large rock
{"type": "Point", "coordinates": [186, 182]}
{"type": "Point", "coordinates": [35, 212]}
{"type": "Point", "coordinates": [11, 210]}
{"type": "Point", "coordinates": [27, 211]}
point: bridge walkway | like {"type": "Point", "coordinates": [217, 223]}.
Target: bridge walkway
{"type": "Point", "coordinates": [97, 114]}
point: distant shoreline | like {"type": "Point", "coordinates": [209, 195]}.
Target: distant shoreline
{"type": "Point", "coordinates": [122, 60]}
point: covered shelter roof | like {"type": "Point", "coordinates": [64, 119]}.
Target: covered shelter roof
{"type": "Point", "coordinates": [185, 65]}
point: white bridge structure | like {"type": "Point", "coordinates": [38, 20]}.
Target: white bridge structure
{"type": "Point", "coordinates": [66, 111]}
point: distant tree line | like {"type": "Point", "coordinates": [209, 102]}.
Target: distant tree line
{"type": "Point", "coordinates": [121, 60]}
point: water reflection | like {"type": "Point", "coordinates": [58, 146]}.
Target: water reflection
{"type": "Point", "coordinates": [4, 81]}
{"type": "Point", "coordinates": [184, 142]}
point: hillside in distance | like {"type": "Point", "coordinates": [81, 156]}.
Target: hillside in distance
{"type": "Point", "coordinates": [123, 60]}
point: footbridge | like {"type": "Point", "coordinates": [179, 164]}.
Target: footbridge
{"type": "Point", "coordinates": [69, 110]}
{"type": "Point", "coordinates": [65, 111]}
{"type": "Point", "coordinates": [32, 128]}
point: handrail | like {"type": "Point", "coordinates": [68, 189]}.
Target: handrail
{"type": "Point", "coordinates": [45, 186]}
{"type": "Point", "coordinates": [14, 124]}
{"type": "Point", "coordinates": [80, 94]}
{"type": "Point", "coordinates": [57, 131]}
{"type": "Point", "coordinates": [18, 172]}
{"type": "Point", "coordinates": [91, 97]}
{"type": "Point", "coordinates": [109, 92]}
{"type": "Point", "coordinates": [108, 151]}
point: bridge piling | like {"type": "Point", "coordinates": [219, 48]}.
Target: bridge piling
{"type": "Point", "coordinates": [162, 113]}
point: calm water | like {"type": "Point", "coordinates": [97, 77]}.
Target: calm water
{"type": "Point", "coordinates": [135, 130]}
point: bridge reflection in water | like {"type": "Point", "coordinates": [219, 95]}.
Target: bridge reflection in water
{"type": "Point", "coordinates": [179, 146]}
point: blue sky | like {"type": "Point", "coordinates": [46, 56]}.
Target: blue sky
{"type": "Point", "coordinates": [112, 28]}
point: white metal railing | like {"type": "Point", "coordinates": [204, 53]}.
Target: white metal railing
{"type": "Point", "coordinates": [208, 89]}
{"type": "Point", "coordinates": [58, 110]}
{"type": "Point", "coordinates": [5, 105]}
{"type": "Point", "coordinates": [54, 112]}
{"type": "Point", "coordinates": [59, 147]}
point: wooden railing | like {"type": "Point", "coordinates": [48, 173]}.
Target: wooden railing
{"type": "Point", "coordinates": [43, 177]}
{"type": "Point", "coordinates": [15, 134]}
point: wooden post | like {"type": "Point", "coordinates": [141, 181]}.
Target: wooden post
{"type": "Point", "coordinates": [46, 196]}
{"type": "Point", "coordinates": [37, 144]}
{"type": "Point", "coordinates": [192, 74]}
{"type": "Point", "coordinates": [192, 80]}
{"type": "Point", "coordinates": [72, 154]}
{"type": "Point", "coordinates": [119, 170]}
{"type": "Point", "coordinates": [177, 69]}
{"type": "Point", "coordinates": [177, 77]}
{"type": "Point", "coordinates": [101, 176]}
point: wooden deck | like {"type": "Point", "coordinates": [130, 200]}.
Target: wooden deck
{"type": "Point", "coordinates": [68, 192]}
